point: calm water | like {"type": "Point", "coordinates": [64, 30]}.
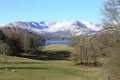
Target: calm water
{"type": "Point", "coordinates": [57, 42]}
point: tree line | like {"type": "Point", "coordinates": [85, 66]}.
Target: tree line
{"type": "Point", "coordinates": [17, 42]}
{"type": "Point", "coordinates": [90, 49]}
{"type": "Point", "coordinates": [86, 50]}
{"type": "Point", "coordinates": [111, 40]}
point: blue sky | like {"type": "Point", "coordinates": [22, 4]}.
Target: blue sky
{"type": "Point", "coordinates": [50, 10]}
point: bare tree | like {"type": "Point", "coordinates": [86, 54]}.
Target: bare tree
{"type": "Point", "coordinates": [4, 51]}
{"type": "Point", "coordinates": [111, 41]}
{"type": "Point", "coordinates": [83, 50]}
{"type": "Point", "coordinates": [111, 12]}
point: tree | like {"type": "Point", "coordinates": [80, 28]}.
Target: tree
{"type": "Point", "coordinates": [4, 51]}
{"type": "Point", "coordinates": [111, 40]}
{"type": "Point", "coordinates": [31, 45]}
{"type": "Point", "coordinates": [25, 42]}
{"type": "Point", "coordinates": [111, 12]}
{"type": "Point", "coordinates": [87, 50]}
{"type": "Point", "coordinates": [111, 43]}
{"type": "Point", "coordinates": [82, 51]}
{"type": "Point", "coordinates": [14, 42]}
{"type": "Point", "coordinates": [95, 48]}
{"type": "Point", "coordinates": [4, 48]}
{"type": "Point", "coordinates": [78, 52]}
{"type": "Point", "coordinates": [2, 35]}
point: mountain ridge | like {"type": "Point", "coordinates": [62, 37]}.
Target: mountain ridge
{"type": "Point", "coordinates": [57, 29]}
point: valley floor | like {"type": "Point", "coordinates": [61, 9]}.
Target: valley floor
{"type": "Point", "coordinates": [29, 69]}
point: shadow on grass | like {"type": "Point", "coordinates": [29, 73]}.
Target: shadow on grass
{"type": "Point", "coordinates": [31, 68]}
{"type": "Point", "coordinates": [23, 63]}
{"type": "Point", "coordinates": [49, 55]}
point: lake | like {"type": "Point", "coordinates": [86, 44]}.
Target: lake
{"type": "Point", "coordinates": [57, 42]}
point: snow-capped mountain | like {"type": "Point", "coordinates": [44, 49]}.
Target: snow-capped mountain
{"type": "Point", "coordinates": [57, 29]}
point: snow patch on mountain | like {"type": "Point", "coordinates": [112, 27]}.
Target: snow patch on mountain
{"type": "Point", "coordinates": [71, 28]}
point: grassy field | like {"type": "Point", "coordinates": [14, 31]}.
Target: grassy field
{"type": "Point", "coordinates": [57, 48]}
{"type": "Point", "coordinates": [18, 68]}
{"type": "Point", "coordinates": [57, 52]}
